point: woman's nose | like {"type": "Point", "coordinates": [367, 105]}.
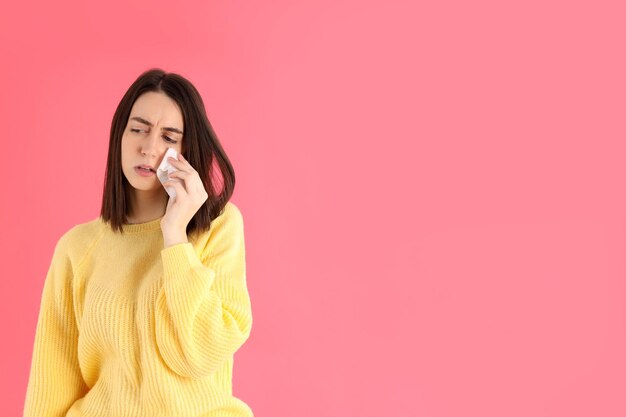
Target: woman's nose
{"type": "Point", "coordinates": [150, 144]}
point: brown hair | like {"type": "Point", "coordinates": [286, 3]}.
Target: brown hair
{"type": "Point", "coordinates": [200, 146]}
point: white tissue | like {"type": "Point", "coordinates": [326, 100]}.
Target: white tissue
{"type": "Point", "coordinates": [165, 169]}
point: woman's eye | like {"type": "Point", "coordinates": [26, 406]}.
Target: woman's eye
{"type": "Point", "coordinates": [165, 137]}
{"type": "Point", "coordinates": [169, 139]}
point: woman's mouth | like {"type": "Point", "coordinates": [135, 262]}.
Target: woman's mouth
{"type": "Point", "coordinates": [144, 172]}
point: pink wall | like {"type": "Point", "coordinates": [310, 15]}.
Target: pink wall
{"type": "Point", "coordinates": [433, 195]}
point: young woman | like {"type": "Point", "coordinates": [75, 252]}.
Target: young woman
{"type": "Point", "coordinates": [143, 308]}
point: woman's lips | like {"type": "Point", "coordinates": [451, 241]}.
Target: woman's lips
{"type": "Point", "coordinates": [144, 172]}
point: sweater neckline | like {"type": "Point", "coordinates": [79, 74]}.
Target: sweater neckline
{"type": "Point", "coordinates": [143, 227]}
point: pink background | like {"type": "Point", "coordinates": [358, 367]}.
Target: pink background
{"type": "Point", "coordinates": [433, 195]}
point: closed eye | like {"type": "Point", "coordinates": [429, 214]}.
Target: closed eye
{"type": "Point", "coordinates": [166, 137]}
{"type": "Point", "coordinates": [169, 139]}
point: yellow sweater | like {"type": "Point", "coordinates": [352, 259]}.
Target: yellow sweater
{"type": "Point", "coordinates": [129, 328]}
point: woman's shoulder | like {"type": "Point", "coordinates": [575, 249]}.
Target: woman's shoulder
{"type": "Point", "coordinates": [80, 237]}
{"type": "Point", "coordinates": [230, 219]}
{"type": "Point", "coordinates": [86, 229]}
{"type": "Point", "coordinates": [231, 210]}
{"type": "Point", "coordinates": [226, 226]}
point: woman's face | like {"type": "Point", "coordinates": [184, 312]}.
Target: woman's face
{"type": "Point", "coordinates": [147, 136]}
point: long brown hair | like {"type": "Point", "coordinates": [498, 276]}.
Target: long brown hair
{"type": "Point", "coordinates": [200, 146]}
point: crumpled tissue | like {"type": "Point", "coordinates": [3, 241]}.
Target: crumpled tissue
{"type": "Point", "coordinates": [165, 168]}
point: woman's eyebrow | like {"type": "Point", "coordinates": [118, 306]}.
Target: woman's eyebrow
{"type": "Point", "coordinates": [145, 122]}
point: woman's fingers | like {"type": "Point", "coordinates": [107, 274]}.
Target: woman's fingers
{"type": "Point", "coordinates": [192, 181]}
{"type": "Point", "coordinates": [180, 164]}
{"type": "Point", "coordinates": [177, 184]}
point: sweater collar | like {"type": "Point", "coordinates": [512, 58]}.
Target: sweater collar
{"type": "Point", "coordinates": [143, 227]}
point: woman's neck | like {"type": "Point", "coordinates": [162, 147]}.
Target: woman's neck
{"type": "Point", "coordinates": [147, 206]}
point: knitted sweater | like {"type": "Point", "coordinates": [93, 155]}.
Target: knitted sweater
{"type": "Point", "coordinates": [127, 327]}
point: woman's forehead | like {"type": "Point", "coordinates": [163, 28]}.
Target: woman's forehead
{"type": "Point", "coordinates": [157, 109]}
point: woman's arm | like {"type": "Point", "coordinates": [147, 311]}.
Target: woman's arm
{"type": "Point", "coordinates": [203, 311]}
{"type": "Point", "coordinates": [55, 381]}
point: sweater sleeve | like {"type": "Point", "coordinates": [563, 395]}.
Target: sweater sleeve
{"type": "Point", "coordinates": [55, 380]}
{"type": "Point", "coordinates": [202, 311]}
